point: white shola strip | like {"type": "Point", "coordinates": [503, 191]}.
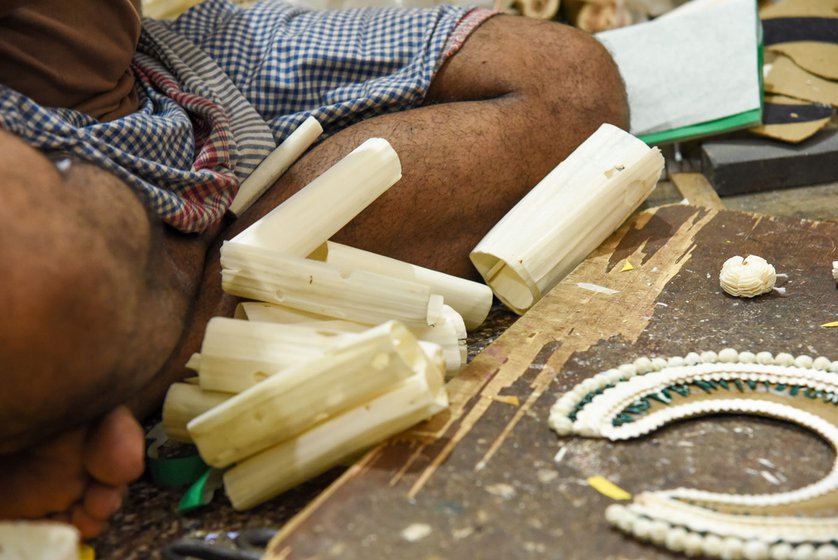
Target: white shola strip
{"type": "Point", "coordinates": [235, 355]}
{"type": "Point", "coordinates": [292, 401]}
{"type": "Point", "coordinates": [294, 461]}
{"type": "Point", "coordinates": [194, 362]}
{"type": "Point", "coordinates": [364, 297]}
{"type": "Point", "coordinates": [449, 331]}
{"type": "Point", "coordinates": [38, 540]}
{"type": "Point", "coordinates": [434, 354]}
{"type": "Point", "coordinates": [276, 313]}
{"type": "Point", "coordinates": [566, 216]}
{"type": "Point", "coordinates": [311, 216]}
{"type": "Point", "coordinates": [277, 163]}
{"type": "Point", "coordinates": [185, 401]}
{"type": "Point", "coordinates": [472, 300]}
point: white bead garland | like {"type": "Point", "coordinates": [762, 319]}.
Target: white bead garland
{"type": "Point", "coordinates": [643, 364]}
{"type": "Point", "coordinates": [781, 551]}
{"type": "Point", "coordinates": [784, 359]}
{"type": "Point", "coordinates": [821, 363]}
{"type": "Point", "coordinates": [804, 361]}
{"type": "Point", "coordinates": [826, 552]}
{"type": "Point", "coordinates": [713, 546]}
{"type": "Point", "coordinates": [693, 544]}
{"type": "Point", "coordinates": [765, 358]}
{"type": "Point", "coordinates": [658, 531]}
{"type": "Point", "coordinates": [803, 552]}
{"type": "Point", "coordinates": [747, 357]}
{"type": "Point", "coordinates": [684, 520]}
{"type": "Point", "coordinates": [728, 355]}
{"type": "Point", "coordinates": [675, 540]}
{"type": "Point", "coordinates": [755, 550]}
{"type": "Point", "coordinates": [675, 361]}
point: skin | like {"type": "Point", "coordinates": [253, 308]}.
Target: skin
{"type": "Point", "coordinates": [99, 323]}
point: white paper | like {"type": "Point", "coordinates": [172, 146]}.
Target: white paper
{"type": "Point", "coordinates": [697, 63]}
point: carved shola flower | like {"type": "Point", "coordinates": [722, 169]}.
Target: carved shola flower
{"type": "Point", "coordinates": [748, 277]}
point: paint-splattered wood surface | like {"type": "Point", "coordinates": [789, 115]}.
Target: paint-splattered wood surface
{"type": "Point", "coordinates": [488, 479]}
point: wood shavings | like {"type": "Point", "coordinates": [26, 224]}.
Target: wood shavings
{"type": "Point", "coordinates": [608, 488]}
{"type": "Point", "coordinates": [507, 399]}
{"type": "Point", "coordinates": [416, 532]}
{"type": "Point", "coordinates": [597, 288]}
{"type": "Point", "coordinates": [63, 165]}
{"type": "Point", "coordinates": [86, 552]}
{"type": "Point", "coordinates": [747, 277]}
{"type": "Point", "coordinates": [38, 539]}
{"type": "Point", "coordinates": [502, 490]}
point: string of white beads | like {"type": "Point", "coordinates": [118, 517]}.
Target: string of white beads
{"type": "Point", "coordinates": [803, 371]}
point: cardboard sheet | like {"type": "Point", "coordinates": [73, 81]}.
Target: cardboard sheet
{"type": "Point", "coordinates": [786, 78]}
{"type": "Point", "coordinates": [792, 120]}
{"type": "Point", "coordinates": [813, 24]}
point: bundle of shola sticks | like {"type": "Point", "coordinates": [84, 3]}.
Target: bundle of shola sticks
{"type": "Point", "coordinates": [449, 331]}
{"type": "Point", "coordinates": [341, 348]}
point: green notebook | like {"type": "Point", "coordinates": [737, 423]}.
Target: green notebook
{"type": "Point", "coordinates": [694, 72]}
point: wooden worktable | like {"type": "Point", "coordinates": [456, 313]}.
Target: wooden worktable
{"type": "Point", "coordinates": [488, 479]}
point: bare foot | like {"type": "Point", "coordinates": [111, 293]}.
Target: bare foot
{"type": "Point", "coordinates": [80, 476]}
